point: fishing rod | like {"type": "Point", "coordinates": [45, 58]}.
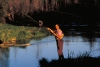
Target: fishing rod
{"type": "Point", "coordinates": [55, 11]}
{"type": "Point", "coordinates": [40, 23]}
{"type": "Point", "coordinates": [32, 18]}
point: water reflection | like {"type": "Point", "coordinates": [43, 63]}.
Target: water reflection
{"type": "Point", "coordinates": [4, 57]}
{"type": "Point", "coordinates": [46, 48]}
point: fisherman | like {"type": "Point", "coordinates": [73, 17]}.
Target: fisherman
{"type": "Point", "coordinates": [59, 40]}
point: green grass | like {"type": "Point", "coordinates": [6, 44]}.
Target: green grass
{"type": "Point", "coordinates": [9, 32]}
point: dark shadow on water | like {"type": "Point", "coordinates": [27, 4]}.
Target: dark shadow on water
{"type": "Point", "coordinates": [70, 62]}
{"type": "Point", "coordinates": [4, 55]}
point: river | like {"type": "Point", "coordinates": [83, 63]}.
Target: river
{"type": "Point", "coordinates": [46, 48]}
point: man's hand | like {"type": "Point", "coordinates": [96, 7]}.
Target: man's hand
{"type": "Point", "coordinates": [48, 28]}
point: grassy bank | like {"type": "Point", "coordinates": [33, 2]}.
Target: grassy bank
{"type": "Point", "coordinates": [10, 32]}
{"type": "Point", "coordinates": [83, 59]}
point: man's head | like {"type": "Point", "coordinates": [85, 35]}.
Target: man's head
{"type": "Point", "coordinates": [57, 26]}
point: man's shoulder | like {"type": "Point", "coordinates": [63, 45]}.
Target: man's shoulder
{"type": "Point", "coordinates": [59, 30]}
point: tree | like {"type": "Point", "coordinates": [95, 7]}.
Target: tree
{"type": "Point", "coordinates": [8, 8]}
{"type": "Point", "coordinates": [3, 10]}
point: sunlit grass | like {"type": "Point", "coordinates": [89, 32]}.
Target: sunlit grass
{"type": "Point", "coordinates": [10, 32]}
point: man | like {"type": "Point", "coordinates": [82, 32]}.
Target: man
{"type": "Point", "coordinates": [59, 40]}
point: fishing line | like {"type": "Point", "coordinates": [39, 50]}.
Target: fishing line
{"type": "Point", "coordinates": [67, 13]}
{"type": "Point", "coordinates": [55, 11]}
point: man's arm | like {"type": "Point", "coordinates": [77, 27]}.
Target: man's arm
{"type": "Point", "coordinates": [58, 36]}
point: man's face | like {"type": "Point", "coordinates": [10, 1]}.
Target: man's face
{"type": "Point", "coordinates": [56, 26]}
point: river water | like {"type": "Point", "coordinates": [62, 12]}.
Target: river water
{"type": "Point", "coordinates": [46, 48]}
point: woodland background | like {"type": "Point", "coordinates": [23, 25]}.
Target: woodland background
{"type": "Point", "coordinates": [16, 11]}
